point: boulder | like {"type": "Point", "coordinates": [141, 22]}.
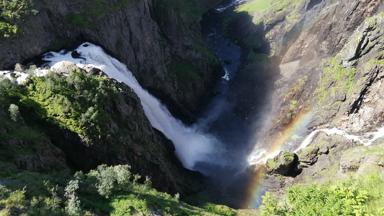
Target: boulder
{"type": "Point", "coordinates": [286, 164]}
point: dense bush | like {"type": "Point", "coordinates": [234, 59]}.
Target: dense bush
{"type": "Point", "coordinates": [74, 102]}
{"type": "Point", "coordinates": [14, 112]}
{"type": "Point", "coordinates": [362, 196]}
{"type": "Point", "coordinates": [104, 191]}
{"type": "Point", "coordinates": [11, 13]}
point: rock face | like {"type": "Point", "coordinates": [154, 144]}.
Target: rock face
{"type": "Point", "coordinates": [299, 37]}
{"type": "Point", "coordinates": [330, 56]}
{"type": "Point", "coordinates": [158, 40]}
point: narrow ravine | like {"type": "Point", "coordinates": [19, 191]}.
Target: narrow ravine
{"type": "Point", "coordinates": [217, 144]}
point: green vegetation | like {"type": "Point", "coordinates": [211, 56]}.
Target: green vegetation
{"type": "Point", "coordinates": [103, 191]}
{"type": "Point", "coordinates": [189, 11]}
{"type": "Point", "coordinates": [282, 163]}
{"type": "Point", "coordinates": [257, 6]}
{"type": "Point", "coordinates": [12, 12]}
{"type": "Point", "coordinates": [360, 196]}
{"type": "Point", "coordinates": [11, 119]}
{"type": "Point", "coordinates": [66, 101]}
{"type": "Point", "coordinates": [92, 10]}
{"type": "Point", "coordinates": [266, 6]}
{"type": "Point", "coordinates": [185, 72]}
{"type": "Point", "coordinates": [262, 8]}
{"type": "Point", "coordinates": [74, 102]}
{"type": "Point", "coordinates": [77, 102]}
{"type": "Point", "coordinates": [335, 80]}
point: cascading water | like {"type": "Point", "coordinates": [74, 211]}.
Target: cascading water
{"type": "Point", "coordinates": [228, 4]}
{"type": "Point", "coordinates": [191, 145]}
{"type": "Point", "coordinates": [366, 139]}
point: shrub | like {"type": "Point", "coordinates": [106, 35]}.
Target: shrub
{"type": "Point", "coordinates": [111, 178]}
{"type": "Point", "coordinates": [74, 102]}
{"type": "Point", "coordinates": [11, 13]}
{"type": "Point", "coordinates": [14, 112]}
{"type": "Point", "coordinates": [349, 197]}
{"type": "Point", "coordinates": [73, 203]}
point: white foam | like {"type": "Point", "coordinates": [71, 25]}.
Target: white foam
{"type": "Point", "coordinates": [22, 77]}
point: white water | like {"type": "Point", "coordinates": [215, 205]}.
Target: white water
{"type": "Point", "coordinates": [21, 77]}
{"type": "Point", "coordinates": [262, 155]}
{"type": "Point", "coordinates": [226, 75]}
{"type": "Point", "coordinates": [191, 145]}
{"type": "Point", "coordinates": [366, 139]}
{"type": "Point", "coordinates": [222, 8]}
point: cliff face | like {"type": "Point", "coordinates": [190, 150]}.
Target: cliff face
{"type": "Point", "coordinates": [298, 36]}
{"type": "Point", "coordinates": [158, 40]}
{"type": "Point", "coordinates": [329, 56]}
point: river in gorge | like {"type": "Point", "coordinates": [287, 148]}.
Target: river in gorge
{"type": "Point", "coordinates": [219, 143]}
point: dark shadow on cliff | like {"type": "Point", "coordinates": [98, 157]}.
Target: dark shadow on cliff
{"type": "Point", "coordinates": [241, 107]}
{"type": "Point", "coordinates": [84, 157]}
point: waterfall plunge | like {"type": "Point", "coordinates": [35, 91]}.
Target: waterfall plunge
{"type": "Point", "coordinates": [191, 145]}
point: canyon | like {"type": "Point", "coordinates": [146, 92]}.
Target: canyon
{"type": "Point", "coordinates": [238, 103]}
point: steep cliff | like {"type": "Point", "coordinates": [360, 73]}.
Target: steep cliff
{"type": "Point", "coordinates": [291, 39]}
{"type": "Point", "coordinates": [159, 40]}
{"type": "Point", "coordinates": [329, 57]}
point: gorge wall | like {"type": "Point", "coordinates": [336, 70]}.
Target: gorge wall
{"type": "Point", "coordinates": [328, 56]}
{"type": "Point", "coordinates": [159, 40]}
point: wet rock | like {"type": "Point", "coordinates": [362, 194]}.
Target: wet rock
{"type": "Point", "coordinates": [75, 54]}
{"type": "Point", "coordinates": [96, 72]}
{"type": "Point", "coordinates": [19, 67]}
{"type": "Point", "coordinates": [286, 164]}
{"type": "Point", "coordinates": [65, 67]}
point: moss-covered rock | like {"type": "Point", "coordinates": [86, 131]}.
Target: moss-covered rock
{"type": "Point", "coordinates": [286, 163]}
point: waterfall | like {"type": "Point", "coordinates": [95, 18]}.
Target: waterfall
{"type": "Point", "coordinates": [225, 6]}
{"type": "Point", "coordinates": [366, 139]}
{"type": "Point", "coordinates": [260, 156]}
{"type": "Point", "coordinates": [191, 145]}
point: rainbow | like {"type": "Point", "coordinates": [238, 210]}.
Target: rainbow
{"type": "Point", "coordinates": [296, 127]}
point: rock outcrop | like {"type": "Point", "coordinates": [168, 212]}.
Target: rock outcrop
{"type": "Point", "coordinates": [79, 121]}
{"type": "Point", "coordinates": [286, 164]}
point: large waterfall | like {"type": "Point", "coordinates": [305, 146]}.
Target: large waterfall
{"type": "Point", "coordinates": [191, 145]}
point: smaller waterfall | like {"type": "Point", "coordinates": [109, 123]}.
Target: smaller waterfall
{"type": "Point", "coordinates": [366, 139]}
{"type": "Point", "coordinates": [192, 146]}
{"type": "Point", "coordinates": [260, 156]}
{"type": "Point", "coordinates": [225, 6]}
